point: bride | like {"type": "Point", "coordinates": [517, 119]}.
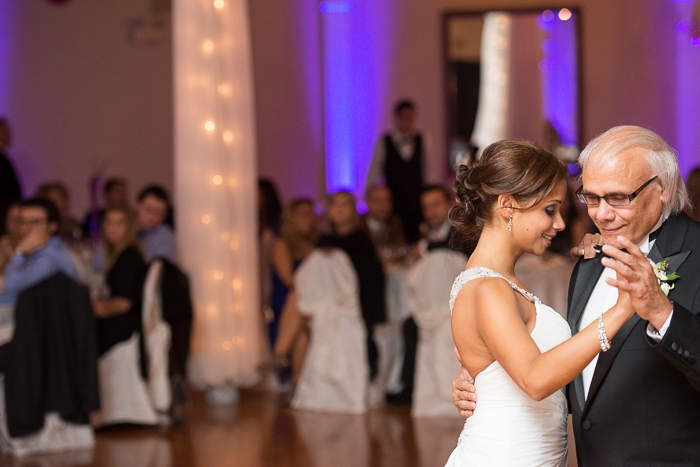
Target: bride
{"type": "Point", "coordinates": [520, 350]}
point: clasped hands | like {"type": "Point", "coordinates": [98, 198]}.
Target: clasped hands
{"type": "Point", "coordinates": [636, 277]}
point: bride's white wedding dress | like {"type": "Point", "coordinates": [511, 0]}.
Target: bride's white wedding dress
{"type": "Point", "coordinates": [508, 427]}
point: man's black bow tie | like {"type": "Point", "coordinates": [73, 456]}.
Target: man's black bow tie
{"type": "Point", "coordinates": [599, 248]}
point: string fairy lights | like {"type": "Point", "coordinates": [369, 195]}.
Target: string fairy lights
{"type": "Point", "coordinates": [215, 188]}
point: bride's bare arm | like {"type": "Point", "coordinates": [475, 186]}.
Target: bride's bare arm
{"type": "Point", "coordinates": [493, 310]}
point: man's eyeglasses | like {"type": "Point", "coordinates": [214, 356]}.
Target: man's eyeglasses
{"type": "Point", "coordinates": [613, 199]}
{"type": "Point", "coordinates": [33, 222]}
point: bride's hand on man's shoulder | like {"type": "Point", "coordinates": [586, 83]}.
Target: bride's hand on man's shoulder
{"type": "Point", "coordinates": [463, 391]}
{"type": "Point", "coordinates": [586, 247]}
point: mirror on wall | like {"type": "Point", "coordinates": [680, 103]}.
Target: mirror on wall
{"type": "Point", "coordinates": [512, 74]}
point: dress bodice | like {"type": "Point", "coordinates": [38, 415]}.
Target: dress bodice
{"type": "Point", "coordinates": [508, 427]}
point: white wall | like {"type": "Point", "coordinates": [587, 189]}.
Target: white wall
{"type": "Point", "coordinates": [80, 97]}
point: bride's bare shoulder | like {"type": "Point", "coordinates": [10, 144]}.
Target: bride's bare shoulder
{"type": "Point", "coordinates": [485, 293]}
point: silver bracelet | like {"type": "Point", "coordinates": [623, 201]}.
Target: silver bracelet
{"type": "Point", "coordinates": [602, 335]}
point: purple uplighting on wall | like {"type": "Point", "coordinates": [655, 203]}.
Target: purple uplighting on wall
{"type": "Point", "coordinates": [687, 89]}
{"type": "Point", "coordinates": [559, 69]}
{"type": "Point", "coordinates": [356, 43]}
{"type": "Point", "coordinates": [335, 7]}
{"type": "Point", "coordinates": [6, 50]}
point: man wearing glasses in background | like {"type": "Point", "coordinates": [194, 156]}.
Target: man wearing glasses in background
{"type": "Point", "coordinates": [637, 403]}
{"type": "Point", "coordinates": [40, 254]}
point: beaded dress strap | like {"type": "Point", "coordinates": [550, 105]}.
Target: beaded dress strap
{"type": "Point", "coordinates": [480, 271]}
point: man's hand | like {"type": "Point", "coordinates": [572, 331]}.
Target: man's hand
{"type": "Point", "coordinates": [32, 242]}
{"type": "Point", "coordinates": [635, 275]}
{"type": "Point", "coordinates": [463, 391]}
{"type": "Point", "coordinates": [585, 248]}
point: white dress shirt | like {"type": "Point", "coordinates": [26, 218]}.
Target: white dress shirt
{"type": "Point", "coordinates": [603, 298]}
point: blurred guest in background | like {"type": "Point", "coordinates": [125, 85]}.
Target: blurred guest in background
{"type": "Point", "coordinates": [398, 161]}
{"type": "Point", "coordinates": [12, 237]}
{"type": "Point", "coordinates": [345, 235]}
{"type": "Point", "coordinates": [57, 193]}
{"type": "Point", "coordinates": [288, 331]}
{"type": "Point", "coordinates": [157, 239]}
{"type": "Point", "coordinates": [435, 202]}
{"type": "Point", "coordinates": [269, 206]}
{"type": "Point", "coordinates": [269, 215]}
{"type": "Point", "coordinates": [577, 223]}
{"type": "Point", "coordinates": [40, 254]}
{"type": "Point", "coordinates": [10, 189]}
{"type": "Point", "coordinates": [118, 311]}
{"type": "Point", "coordinates": [384, 226]}
{"type": "Point", "coordinates": [115, 193]}
{"type": "Point", "coordinates": [693, 186]}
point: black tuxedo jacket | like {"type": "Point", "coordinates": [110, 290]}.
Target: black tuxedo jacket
{"type": "Point", "coordinates": [643, 406]}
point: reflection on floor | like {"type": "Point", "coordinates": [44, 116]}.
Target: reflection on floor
{"type": "Point", "coordinates": [258, 432]}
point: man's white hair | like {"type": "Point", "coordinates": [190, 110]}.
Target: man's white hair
{"type": "Point", "coordinates": [662, 160]}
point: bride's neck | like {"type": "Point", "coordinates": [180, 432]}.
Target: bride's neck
{"type": "Point", "coordinates": [496, 251]}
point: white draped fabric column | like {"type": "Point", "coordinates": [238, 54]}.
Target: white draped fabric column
{"type": "Point", "coordinates": [492, 116]}
{"type": "Point", "coordinates": [216, 188]}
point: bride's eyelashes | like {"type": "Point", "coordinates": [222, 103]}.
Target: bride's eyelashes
{"type": "Point", "coordinates": [550, 210]}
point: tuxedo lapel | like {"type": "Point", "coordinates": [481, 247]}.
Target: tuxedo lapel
{"type": "Point", "coordinates": [606, 359]}
{"type": "Point", "coordinates": [670, 241]}
{"type": "Point", "coordinates": [589, 272]}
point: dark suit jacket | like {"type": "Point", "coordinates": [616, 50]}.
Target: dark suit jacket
{"type": "Point", "coordinates": [643, 406]}
{"type": "Point", "coordinates": [52, 359]}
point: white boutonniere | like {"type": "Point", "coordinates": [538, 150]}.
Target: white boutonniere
{"type": "Point", "coordinates": [665, 279]}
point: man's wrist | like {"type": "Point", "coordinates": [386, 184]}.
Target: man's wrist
{"type": "Point", "coordinates": [660, 320]}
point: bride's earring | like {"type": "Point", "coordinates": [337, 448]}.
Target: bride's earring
{"type": "Point", "coordinates": [510, 222]}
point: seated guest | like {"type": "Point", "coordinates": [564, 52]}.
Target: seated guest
{"type": "Point", "coordinates": [345, 235]}
{"type": "Point", "coordinates": [288, 330]}
{"type": "Point", "coordinates": [158, 242]}
{"type": "Point", "coordinates": [119, 313]}
{"type": "Point", "coordinates": [115, 193]}
{"type": "Point", "coordinates": [383, 225]}
{"type": "Point", "coordinates": [577, 223]}
{"type": "Point", "coordinates": [12, 237]}
{"type": "Point", "coordinates": [435, 203]}
{"type": "Point", "coordinates": [156, 237]}
{"type": "Point", "coordinates": [40, 254]}
{"type": "Point", "coordinates": [56, 192]}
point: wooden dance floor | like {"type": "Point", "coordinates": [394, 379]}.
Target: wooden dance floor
{"type": "Point", "coordinates": [259, 432]}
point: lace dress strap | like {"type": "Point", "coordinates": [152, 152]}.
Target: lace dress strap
{"type": "Point", "coordinates": [480, 271]}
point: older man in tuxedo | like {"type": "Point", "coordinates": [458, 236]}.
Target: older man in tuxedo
{"type": "Point", "coordinates": [638, 403]}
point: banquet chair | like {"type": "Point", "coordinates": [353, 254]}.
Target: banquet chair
{"type": "Point", "coordinates": [389, 338]}
{"type": "Point", "coordinates": [335, 374]}
{"type": "Point", "coordinates": [429, 284]}
{"type": "Point", "coordinates": [124, 394]}
{"type": "Point", "coordinates": [49, 384]}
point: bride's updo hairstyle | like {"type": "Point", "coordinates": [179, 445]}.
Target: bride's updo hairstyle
{"type": "Point", "coordinates": [515, 167]}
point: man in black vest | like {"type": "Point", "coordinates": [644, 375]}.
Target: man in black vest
{"type": "Point", "coordinates": [398, 161]}
{"type": "Point", "coordinates": [638, 403]}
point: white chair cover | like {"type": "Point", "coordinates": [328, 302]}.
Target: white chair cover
{"type": "Point", "coordinates": [429, 284]}
{"type": "Point", "coordinates": [124, 396]}
{"type": "Point", "coordinates": [389, 335]}
{"type": "Point", "coordinates": [335, 374]}
{"type": "Point", "coordinates": [56, 436]}
{"type": "Point", "coordinates": [156, 334]}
